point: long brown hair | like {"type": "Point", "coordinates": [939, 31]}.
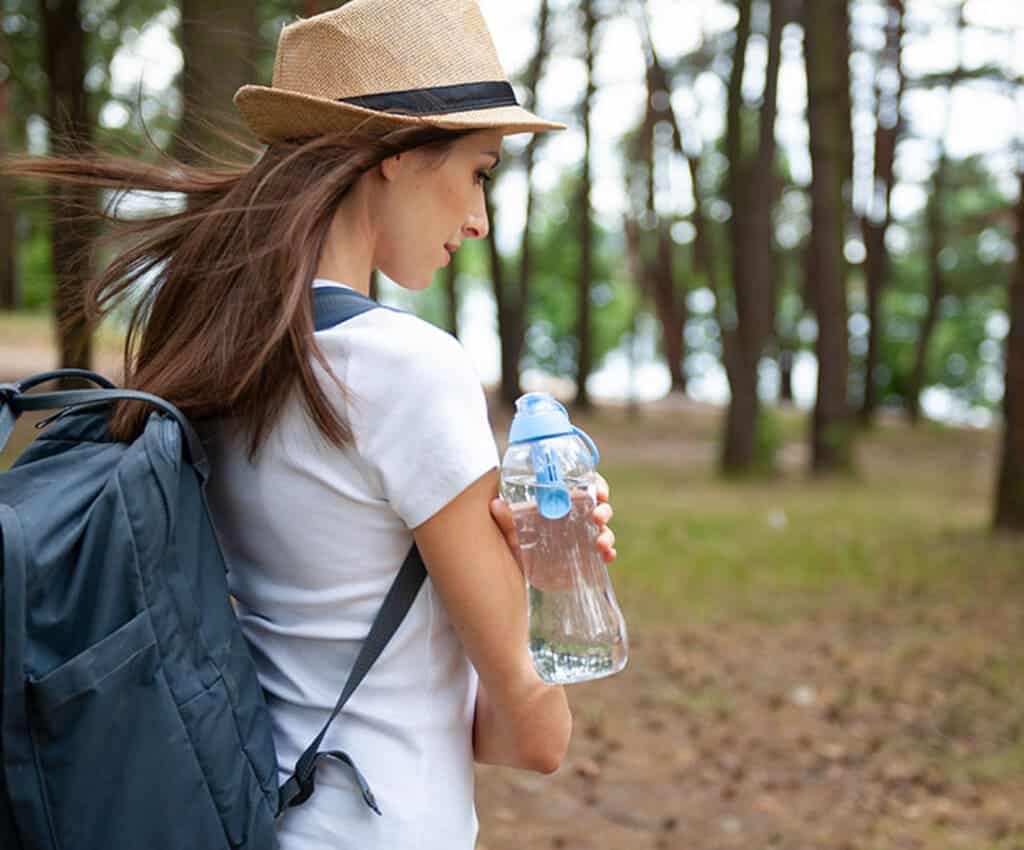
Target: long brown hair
{"type": "Point", "coordinates": [223, 322]}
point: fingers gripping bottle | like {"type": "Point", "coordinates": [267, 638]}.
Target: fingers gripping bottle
{"type": "Point", "coordinates": [548, 479]}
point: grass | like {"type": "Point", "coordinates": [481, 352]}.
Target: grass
{"type": "Point", "coordinates": [712, 549]}
{"type": "Point", "coordinates": [914, 521]}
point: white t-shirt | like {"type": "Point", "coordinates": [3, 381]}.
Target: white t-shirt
{"type": "Point", "coordinates": [315, 535]}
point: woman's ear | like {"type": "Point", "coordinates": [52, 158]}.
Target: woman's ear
{"type": "Point", "coordinates": [391, 167]}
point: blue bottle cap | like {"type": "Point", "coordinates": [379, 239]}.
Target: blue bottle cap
{"type": "Point", "coordinates": [539, 416]}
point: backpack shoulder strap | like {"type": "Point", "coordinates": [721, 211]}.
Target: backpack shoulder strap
{"type": "Point", "coordinates": [9, 392]}
{"type": "Point", "coordinates": [331, 306]}
{"type": "Point", "coordinates": [396, 605]}
{"type": "Point", "coordinates": [69, 400]}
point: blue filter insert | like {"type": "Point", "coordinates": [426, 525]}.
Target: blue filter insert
{"type": "Point", "coordinates": [553, 499]}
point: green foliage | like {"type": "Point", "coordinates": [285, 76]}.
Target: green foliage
{"type": "Point", "coordinates": [551, 318]}
{"type": "Point", "coordinates": [110, 26]}
{"type": "Point", "coordinates": [36, 270]}
{"type": "Point", "coordinates": [961, 355]}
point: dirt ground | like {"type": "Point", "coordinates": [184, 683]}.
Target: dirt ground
{"type": "Point", "coordinates": [844, 731]}
{"type": "Point", "coordinates": [849, 728]}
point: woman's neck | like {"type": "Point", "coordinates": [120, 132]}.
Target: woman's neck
{"type": "Point", "coordinates": [347, 256]}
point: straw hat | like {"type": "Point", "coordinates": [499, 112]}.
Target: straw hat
{"type": "Point", "coordinates": [373, 66]}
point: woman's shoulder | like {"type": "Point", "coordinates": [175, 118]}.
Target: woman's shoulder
{"type": "Point", "coordinates": [398, 344]}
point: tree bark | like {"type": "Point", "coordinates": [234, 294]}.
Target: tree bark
{"type": "Point", "coordinates": [830, 431]}
{"type": "Point", "coordinates": [513, 326]}
{"type": "Point", "coordinates": [705, 258]}
{"type": "Point", "coordinates": [1009, 508]}
{"type": "Point", "coordinates": [8, 267]}
{"type": "Point", "coordinates": [657, 274]}
{"type": "Point", "coordinates": [671, 307]}
{"type": "Point", "coordinates": [936, 239]}
{"type": "Point", "coordinates": [875, 223]}
{"type": "Point", "coordinates": [70, 132]}
{"type": "Point", "coordinates": [219, 44]}
{"type": "Point", "coordinates": [752, 188]}
{"type": "Point", "coordinates": [785, 360]}
{"type": "Point", "coordinates": [309, 8]}
{"type": "Point", "coordinates": [506, 341]}
{"type": "Point", "coordinates": [584, 358]}
{"type": "Point", "coordinates": [935, 214]}
{"type": "Point", "coordinates": [741, 417]}
{"type": "Point", "coordinates": [450, 275]}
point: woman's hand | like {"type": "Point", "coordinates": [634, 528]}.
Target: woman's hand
{"type": "Point", "coordinates": [601, 516]}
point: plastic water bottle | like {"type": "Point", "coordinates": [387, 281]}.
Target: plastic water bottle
{"type": "Point", "coordinates": [548, 479]}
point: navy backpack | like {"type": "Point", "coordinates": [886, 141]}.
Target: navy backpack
{"type": "Point", "coordinates": [131, 717]}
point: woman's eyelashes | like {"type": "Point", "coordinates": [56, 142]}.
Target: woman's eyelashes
{"type": "Point", "coordinates": [484, 177]}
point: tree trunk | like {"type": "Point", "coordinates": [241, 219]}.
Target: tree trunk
{"type": "Point", "coordinates": [935, 214]}
{"type": "Point", "coordinates": [936, 239]}
{"type": "Point", "coordinates": [450, 275]}
{"type": "Point", "coordinates": [786, 374]}
{"type": "Point", "coordinates": [657, 275]}
{"type": "Point", "coordinates": [752, 189]}
{"type": "Point", "coordinates": [309, 8]}
{"type": "Point", "coordinates": [219, 44]}
{"type": "Point", "coordinates": [70, 132]}
{"type": "Point", "coordinates": [8, 268]}
{"type": "Point", "coordinates": [671, 308]}
{"type": "Point", "coordinates": [584, 359]}
{"type": "Point", "coordinates": [1009, 509]}
{"type": "Point", "coordinates": [842, 49]}
{"type": "Point", "coordinates": [875, 223]}
{"type": "Point", "coordinates": [509, 357]}
{"type": "Point", "coordinates": [831, 449]}
{"type": "Point", "coordinates": [515, 316]}
{"type": "Point", "coordinates": [705, 255]}
{"type": "Point", "coordinates": [703, 245]}
{"type": "Point", "coordinates": [741, 417]}
{"type": "Point", "coordinates": [635, 263]}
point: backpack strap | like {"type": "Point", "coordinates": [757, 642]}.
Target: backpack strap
{"type": "Point", "coordinates": [14, 401]}
{"type": "Point", "coordinates": [396, 605]}
{"type": "Point", "coordinates": [8, 392]}
{"type": "Point", "coordinates": [331, 306]}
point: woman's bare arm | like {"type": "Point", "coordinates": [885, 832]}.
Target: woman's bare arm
{"type": "Point", "coordinates": [520, 721]}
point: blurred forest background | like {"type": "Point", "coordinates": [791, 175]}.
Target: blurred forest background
{"type": "Point", "coordinates": [777, 267]}
{"type": "Point", "coordinates": [783, 204]}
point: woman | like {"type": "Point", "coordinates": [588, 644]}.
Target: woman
{"type": "Point", "coordinates": [333, 451]}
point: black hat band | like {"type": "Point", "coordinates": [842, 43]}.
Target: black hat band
{"type": "Point", "coordinates": [439, 100]}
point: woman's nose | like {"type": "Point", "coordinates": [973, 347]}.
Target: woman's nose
{"type": "Point", "coordinates": [476, 226]}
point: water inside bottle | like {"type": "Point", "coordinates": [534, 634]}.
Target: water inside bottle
{"type": "Point", "coordinates": [576, 628]}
